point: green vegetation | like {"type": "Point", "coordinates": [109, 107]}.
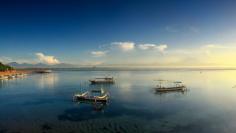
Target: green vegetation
{"type": "Point", "coordinates": [5, 67]}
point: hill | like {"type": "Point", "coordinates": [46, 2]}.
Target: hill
{"type": "Point", "coordinates": [40, 65]}
{"type": "Point", "coordinates": [5, 67]}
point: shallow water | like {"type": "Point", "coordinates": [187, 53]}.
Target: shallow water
{"type": "Point", "coordinates": [43, 103]}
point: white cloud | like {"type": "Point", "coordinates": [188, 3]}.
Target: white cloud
{"type": "Point", "coordinates": [47, 59]}
{"type": "Point", "coordinates": [217, 46]}
{"type": "Point", "coordinates": [160, 47]}
{"type": "Point", "coordinates": [209, 46]}
{"type": "Point", "coordinates": [125, 46]}
{"type": "Point", "coordinates": [146, 46]}
{"type": "Point", "coordinates": [98, 53]}
{"type": "Point", "coordinates": [5, 59]}
{"type": "Point", "coordinates": [213, 46]}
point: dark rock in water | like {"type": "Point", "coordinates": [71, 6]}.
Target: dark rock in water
{"type": "Point", "coordinates": [43, 71]}
{"type": "Point", "coordinates": [3, 131]}
{"type": "Point", "coordinates": [46, 127]}
{"type": "Point", "coordinates": [105, 128]}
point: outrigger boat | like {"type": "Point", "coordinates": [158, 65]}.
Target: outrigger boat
{"type": "Point", "coordinates": [95, 95]}
{"type": "Point", "coordinates": [175, 86]}
{"type": "Point", "coordinates": [105, 80]}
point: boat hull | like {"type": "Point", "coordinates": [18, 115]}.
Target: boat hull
{"type": "Point", "coordinates": [180, 88]}
{"type": "Point", "coordinates": [101, 82]}
{"type": "Point", "coordinates": [90, 99]}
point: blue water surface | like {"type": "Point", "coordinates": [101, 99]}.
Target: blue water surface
{"type": "Point", "coordinates": [44, 103]}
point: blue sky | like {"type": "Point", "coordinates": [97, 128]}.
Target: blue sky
{"type": "Point", "coordinates": [95, 32]}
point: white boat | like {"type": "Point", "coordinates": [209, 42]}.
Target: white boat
{"type": "Point", "coordinates": [105, 80]}
{"type": "Point", "coordinates": [95, 95]}
{"type": "Point", "coordinates": [166, 86]}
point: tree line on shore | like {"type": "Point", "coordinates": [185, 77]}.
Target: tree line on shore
{"type": "Point", "coordinates": [5, 67]}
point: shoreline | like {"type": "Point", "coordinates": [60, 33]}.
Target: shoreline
{"type": "Point", "coordinates": [14, 72]}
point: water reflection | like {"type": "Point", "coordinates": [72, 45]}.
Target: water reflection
{"type": "Point", "coordinates": [208, 105]}
{"type": "Point", "coordinates": [125, 87]}
{"type": "Point", "coordinates": [48, 80]}
{"type": "Point", "coordinates": [2, 83]}
{"type": "Point", "coordinates": [7, 82]}
{"type": "Point", "coordinates": [98, 107]}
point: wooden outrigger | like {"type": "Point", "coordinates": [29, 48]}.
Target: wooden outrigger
{"type": "Point", "coordinates": [178, 86]}
{"type": "Point", "coordinates": [105, 80]}
{"type": "Point", "coordinates": [88, 96]}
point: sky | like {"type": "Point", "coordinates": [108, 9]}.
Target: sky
{"type": "Point", "coordinates": [119, 32]}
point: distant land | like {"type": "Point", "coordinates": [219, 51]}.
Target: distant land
{"type": "Point", "coordinates": [39, 65]}
{"type": "Point", "coordinates": [5, 67]}
{"type": "Point", "coordinates": [72, 67]}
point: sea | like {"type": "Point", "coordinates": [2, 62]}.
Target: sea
{"type": "Point", "coordinates": [43, 103]}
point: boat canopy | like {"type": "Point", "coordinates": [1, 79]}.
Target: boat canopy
{"type": "Point", "coordinates": [178, 82]}
{"type": "Point", "coordinates": [104, 78]}
{"type": "Point", "coordinates": [168, 81]}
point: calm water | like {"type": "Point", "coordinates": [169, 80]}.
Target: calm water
{"type": "Point", "coordinates": [43, 103]}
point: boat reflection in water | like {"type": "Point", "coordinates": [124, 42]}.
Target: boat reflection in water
{"type": "Point", "coordinates": [97, 106]}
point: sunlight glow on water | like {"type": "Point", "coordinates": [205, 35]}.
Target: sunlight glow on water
{"type": "Point", "coordinates": [43, 103]}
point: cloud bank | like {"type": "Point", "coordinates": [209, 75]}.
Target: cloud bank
{"type": "Point", "coordinates": [217, 46]}
{"type": "Point", "coordinates": [5, 59]}
{"type": "Point", "coordinates": [129, 46]}
{"type": "Point", "coordinates": [51, 60]}
{"type": "Point", "coordinates": [130, 53]}
{"type": "Point", "coordinates": [98, 53]}
{"type": "Point", "coordinates": [125, 46]}
{"type": "Point", "coordinates": [160, 48]}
